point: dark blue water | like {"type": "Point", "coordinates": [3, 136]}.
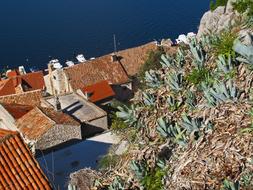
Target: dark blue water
{"type": "Point", "coordinates": [37, 29]}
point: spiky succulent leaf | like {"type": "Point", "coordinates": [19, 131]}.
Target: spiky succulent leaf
{"type": "Point", "coordinates": [180, 57]}
{"type": "Point", "coordinates": [198, 53]}
{"type": "Point", "coordinates": [167, 61]}
{"type": "Point", "coordinates": [175, 81]}
{"type": "Point", "coordinates": [191, 99]}
{"type": "Point", "coordinates": [148, 99]}
{"type": "Point", "coordinates": [245, 51]}
{"type": "Point", "coordinates": [224, 64]}
{"type": "Point", "coordinates": [169, 130]}
{"type": "Point", "coordinates": [152, 79]}
{"type": "Point", "coordinates": [138, 169]}
{"type": "Point", "coordinates": [127, 114]}
{"type": "Point", "coordinates": [221, 92]}
{"type": "Point", "coordinates": [117, 184]}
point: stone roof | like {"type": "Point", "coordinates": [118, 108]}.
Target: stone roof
{"type": "Point", "coordinates": [27, 98]}
{"type": "Point", "coordinates": [78, 107]}
{"type": "Point", "coordinates": [17, 110]}
{"type": "Point", "coordinates": [103, 68]}
{"type": "Point", "coordinates": [18, 168]}
{"type": "Point", "coordinates": [99, 91]}
{"type": "Point", "coordinates": [39, 120]}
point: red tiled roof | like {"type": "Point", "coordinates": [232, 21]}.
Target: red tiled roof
{"type": "Point", "coordinates": [102, 68]}
{"type": "Point", "coordinates": [17, 110]}
{"type": "Point", "coordinates": [132, 59]}
{"type": "Point", "coordinates": [96, 70]}
{"type": "Point", "coordinates": [27, 98]}
{"type": "Point", "coordinates": [6, 87]}
{"type": "Point", "coordinates": [12, 74]}
{"type": "Point", "coordinates": [18, 168]}
{"type": "Point", "coordinates": [99, 91]}
{"type": "Point", "coordinates": [29, 82]}
{"type": "Point", "coordinates": [39, 120]}
{"type": "Point", "coordinates": [4, 133]}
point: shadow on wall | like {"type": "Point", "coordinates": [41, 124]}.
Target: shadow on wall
{"type": "Point", "coordinates": [90, 130]}
{"type": "Point", "coordinates": [122, 93]}
{"type": "Point", "coordinates": [58, 164]}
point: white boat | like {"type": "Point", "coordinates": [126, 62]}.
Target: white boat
{"type": "Point", "coordinates": [56, 64]}
{"type": "Point", "coordinates": [191, 35]}
{"type": "Point", "coordinates": [70, 63]}
{"type": "Point", "coordinates": [80, 58]}
{"type": "Point", "coordinates": [92, 58]}
{"type": "Point", "coordinates": [182, 39]}
{"type": "Point", "coordinates": [21, 70]}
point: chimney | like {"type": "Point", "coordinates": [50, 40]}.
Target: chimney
{"type": "Point", "coordinates": [57, 104]}
{"type": "Point", "coordinates": [114, 57]}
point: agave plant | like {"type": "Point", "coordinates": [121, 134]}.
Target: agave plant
{"type": "Point", "coordinates": [167, 61]}
{"type": "Point", "coordinates": [152, 79]}
{"type": "Point", "coordinates": [138, 169]}
{"type": "Point", "coordinates": [229, 185]}
{"type": "Point", "coordinates": [148, 99]}
{"type": "Point", "coordinates": [173, 131]}
{"type": "Point", "coordinates": [199, 55]}
{"type": "Point", "coordinates": [191, 99]}
{"type": "Point", "coordinates": [117, 184]}
{"type": "Point", "coordinates": [175, 81]}
{"type": "Point", "coordinates": [173, 103]}
{"type": "Point", "coordinates": [208, 40]}
{"type": "Point", "coordinates": [127, 114]}
{"type": "Point", "coordinates": [246, 52]}
{"type": "Point", "coordinates": [180, 57]}
{"type": "Point", "coordinates": [221, 92]}
{"type": "Point", "coordinates": [191, 124]}
{"type": "Point", "coordinates": [225, 64]}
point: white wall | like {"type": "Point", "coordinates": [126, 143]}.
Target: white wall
{"type": "Point", "coordinates": [6, 120]}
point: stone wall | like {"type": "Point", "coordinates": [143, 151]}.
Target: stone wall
{"type": "Point", "coordinates": [94, 127]}
{"type": "Point", "coordinates": [59, 82]}
{"type": "Point", "coordinates": [123, 92]}
{"type": "Point", "coordinates": [57, 135]}
{"type": "Point", "coordinates": [6, 120]}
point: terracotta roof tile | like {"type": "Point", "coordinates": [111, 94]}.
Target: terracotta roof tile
{"type": "Point", "coordinates": [132, 59]}
{"type": "Point", "coordinates": [28, 82]}
{"type": "Point", "coordinates": [18, 168]}
{"type": "Point", "coordinates": [17, 110]}
{"type": "Point", "coordinates": [59, 117]}
{"type": "Point", "coordinates": [103, 68]}
{"type": "Point", "coordinates": [96, 70]}
{"type": "Point", "coordinates": [27, 98]}
{"type": "Point", "coordinates": [13, 73]}
{"type": "Point", "coordinates": [39, 120]}
{"type": "Point", "coordinates": [99, 91]}
{"type": "Point", "coordinates": [6, 87]}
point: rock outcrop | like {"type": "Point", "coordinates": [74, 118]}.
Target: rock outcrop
{"type": "Point", "coordinates": [217, 20]}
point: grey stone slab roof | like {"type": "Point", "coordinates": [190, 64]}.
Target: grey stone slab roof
{"type": "Point", "coordinates": [78, 107]}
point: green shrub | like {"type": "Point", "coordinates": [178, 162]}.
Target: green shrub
{"type": "Point", "coordinates": [197, 76]}
{"type": "Point", "coordinates": [153, 181]}
{"type": "Point", "coordinates": [244, 6]}
{"type": "Point", "coordinates": [108, 161]}
{"type": "Point", "coordinates": [224, 44]}
{"type": "Point", "coordinates": [217, 3]}
{"type": "Point", "coordinates": [118, 123]}
{"type": "Point", "coordinates": [152, 62]}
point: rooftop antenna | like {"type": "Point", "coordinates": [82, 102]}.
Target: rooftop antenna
{"type": "Point", "coordinates": [114, 42]}
{"type": "Point", "coordinates": [114, 56]}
